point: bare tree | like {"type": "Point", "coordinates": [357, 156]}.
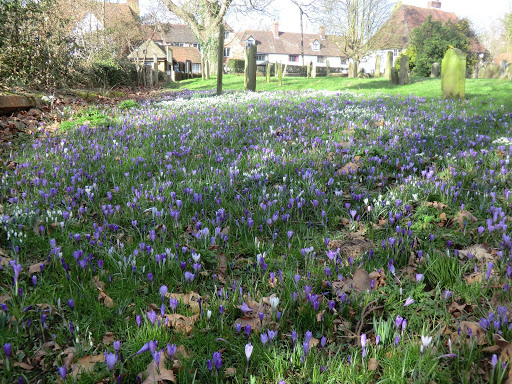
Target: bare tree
{"type": "Point", "coordinates": [352, 23]}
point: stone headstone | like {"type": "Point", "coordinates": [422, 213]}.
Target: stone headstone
{"type": "Point", "coordinates": [453, 74]}
{"type": "Point", "coordinates": [14, 103]}
{"type": "Point", "coordinates": [352, 69]}
{"type": "Point", "coordinates": [436, 69]}
{"type": "Point", "coordinates": [492, 71]}
{"type": "Point", "coordinates": [481, 71]}
{"type": "Point", "coordinates": [377, 66]}
{"type": "Point", "coordinates": [474, 75]}
{"type": "Point", "coordinates": [507, 73]}
{"type": "Point", "coordinates": [394, 76]}
{"type": "Point", "coordinates": [504, 64]}
{"type": "Point", "coordinates": [389, 65]}
{"type": "Point", "coordinates": [404, 70]}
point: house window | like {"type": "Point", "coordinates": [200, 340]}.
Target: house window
{"type": "Point", "coordinates": [227, 52]}
{"type": "Point", "coordinates": [226, 35]}
{"type": "Point", "coordinates": [320, 59]}
{"type": "Point", "coordinates": [293, 58]}
{"type": "Point", "coordinates": [196, 68]}
{"type": "Point", "coordinates": [395, 52]}
{"type": "Point", "coordinates": [316, 45]}
{"type": "Point", "coordinates": [261, 57]}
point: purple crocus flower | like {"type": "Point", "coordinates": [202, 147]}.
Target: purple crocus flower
{"type": "Point", "coordinates": [408, 301]}
{"type": "Point", "coordinates": [264, 338]}
{"type": "Point", "coordinates": [152, 317]}
{"type": "Point", "coordinates": [294, 337]}
{"type": "Point", "coordinates": [163, 291]}
{"type": "Point", "coordinates": [305, 348]}
{"type": "Point", "coordinates": [138, 319]}
{"type": "Point", "coordinates": [71, 303]}
{"type": "Point", "coordinates": [63, 372]}
{"type": "Point", "coordinates": [247, 329]}
{"type": "Point", "coordinates": [171, 350]}
{"type": "Point", "coordinates": [7, 349]}
{"type": "Point", "coordinates": [217, 360]}
{"type": "Point", "coordinates": [111, 359]}
{"type": "Point", "coordinates": [245, 308]}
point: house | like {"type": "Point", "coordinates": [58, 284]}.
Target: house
{"type": "Point", "coordinates": [293, 49]}
{"type": "Point", "coordinates": [396, 33]}
{"type": "Point", "coordinates": [186, 61]}
{"type": "Point", "coordinates": [93, 16]}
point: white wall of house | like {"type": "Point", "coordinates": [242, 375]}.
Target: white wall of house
{"type": "Point", "coordinates": [368, 63]}
{"type": "Point", "coordinates": [334, 62]}
{"type": "Point", "coordinates": [88, 24]}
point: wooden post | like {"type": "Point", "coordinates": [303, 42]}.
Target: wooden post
{"type": "Point", "coordinates": [155, 70]}
{"type": "Point", "coordinates": [308, 70]}
{"type": "Point", "coordinates": [280, 74]}
{"type": "Point", "coordinates": [207, 68]}
{"type": "Point", "coordinates": [268, 72]}
{"type": "Point", "coordinates": [327, 68]}
{"type": "Point", "coordinates": [202, 69]}
{"type": "Point", "coordinates": [220, 59]}
{"type": "Point", "coordinates": [313, 70]}
{"type": "Point", "coordinates": [246, 68]}
{"type": "Point", "coordinates": [250, 68]}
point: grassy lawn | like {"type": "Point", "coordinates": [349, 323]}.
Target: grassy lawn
{"type": "Point", "coordinates": [481, 90]}
{"type": "Point", "coordinates": [267, 237]}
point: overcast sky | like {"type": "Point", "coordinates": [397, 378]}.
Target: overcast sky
{"type": "Point", "coordinates": [481, 13]}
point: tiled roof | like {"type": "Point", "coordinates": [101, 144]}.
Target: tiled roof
{"type": "Point", "coordinates": [180, 33]}
{"type": "Point", "coordinates": [182, 54]}
{"type": "Point", "coordinates": [114, 14]}
{"type": "Point", "coordinates": [396, 32]}
{"type": "Point", "coordinates": [290, 43]}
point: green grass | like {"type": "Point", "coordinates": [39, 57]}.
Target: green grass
{"type": "Point", "coordinates": [486, 92]}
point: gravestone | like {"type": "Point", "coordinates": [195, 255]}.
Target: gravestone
{"type": "Point", "coordinates": [404, 70]}
{"type": "Point", "coordinates": [507, 73]}
{"type": "Point", "coordinates": [453, 74]}
{"type": "Point", "coordinates": [351, 71]}
{"type": "Point", "coordinates": [492, 71]}
{"type": "Point", "coordinates": [436, 69]}
{"type": "Point", "coordinates": [389, 65]}
{"type": "Point", "coordinates": [476, 69]}
{"type": "Point", "coordinates": [394, 76]}
{"type": "Point", "coordinates": [377, 66]}
{"type": "Point", "coordinates": [481, 71]}
{"type": "Point", "coordinates": [504, 64]}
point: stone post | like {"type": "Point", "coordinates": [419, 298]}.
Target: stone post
{"type": "Point", "coordinates": [404, 70]}
{"type": "Point", "coordinates": [170, 66]}
{"type": "Point", "coordinates": [280, 74]}
{"type": "Point", "coordinates": [394, 76]}
{"type": "Point", "coordinates": [308, 70]}
{"type": "Point", "coordinates": [453, 74]}
{"type": "Point", "coordinates": [313, 70]}
{"type": "Point", "coordinates": [155, 70]}
{"type": "Point", "coordinates": [389, 65]}
{"type": "Point", "coordinates": [327, 68]}
{"type": "Point", "coordinates": [504, 64]}
{"type": "Point", "coordinates": [220, 60]}
{"type": "Point", "coordinates": [250, 68]}
{"type": "Point", "coordinates": [377, 66]}
{"type": "Point", "coordinates": [267, 69]}
{"type": "Point", "coordinates": [436, 68]}
{"type": "Point", "coordinates": [351, 70]}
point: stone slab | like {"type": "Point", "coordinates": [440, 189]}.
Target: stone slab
{"type": "Point", "coordinates": [14, 103]}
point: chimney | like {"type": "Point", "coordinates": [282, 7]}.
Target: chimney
{"type": "Point", "coordinates": [321, 32]}
{"type": "Point", "coordinates": [134, 6]}
{"type": "Point", "coordinates": [434, 4]}
{"type": "Point", "coordinates": [276, 29]}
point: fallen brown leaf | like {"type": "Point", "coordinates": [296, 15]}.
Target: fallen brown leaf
{"type": "Point", "coordinates": [157, 374]}
{"type": "Point", "coordinates": [349, 168]}
{"type": "Point", "coordinates": [36, 268]}
{"type": "Point", "coordinates": [230, 371]}
{"type": "Point", "coordinates": [24, 366]}
{"type": "Point", "coordinates": [105, 299]}
{"type": "Point", "coordinates": [476, 330]}
{"type": "Point", "coordinates": [464, 216]}
{"type": "Point", "coordinates": [191, 299]}
{"type": "Point", "coordinates": [362, 281]}
{"type": "Point", "coordinates": [182, 324]}
{"type": "Point", "coordinates": [373, 364]}
{"type": "Point", "coordinates": [436, 205]}
{"type": "Point", "coordinates": [85, 365]}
